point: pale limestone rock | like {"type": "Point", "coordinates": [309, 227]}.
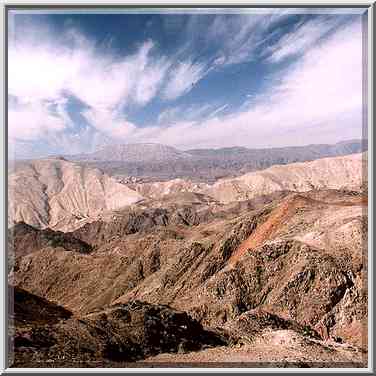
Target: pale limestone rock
{"type": "Point", "coordinates": [59, 194]}
{"type": "Point", "coordinates": [327, 173]}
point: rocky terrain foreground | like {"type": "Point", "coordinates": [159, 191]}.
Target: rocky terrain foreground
{"type": "Point", "coordinates": [193, 279]}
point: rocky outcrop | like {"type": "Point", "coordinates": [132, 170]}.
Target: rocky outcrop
{"type": "Point", "coordinates": [158, 190]}
{"type": "Point", "coordinates": [250, 324]}
{"type": "Point", "coordinates": [24, 239]}
{"type": "Point", "coordinates": [29, 309]}
{"type": "Point", "coordinates": [113, 335]}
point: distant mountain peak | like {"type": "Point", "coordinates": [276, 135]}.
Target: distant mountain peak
{"type": "Point", "coordinates": [137, 152]}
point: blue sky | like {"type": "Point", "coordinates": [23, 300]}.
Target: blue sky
{"type": "Point", "coordinates": [259, 79]}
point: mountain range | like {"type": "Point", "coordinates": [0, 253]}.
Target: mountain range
{"type": "Point", "coordinates": [63, 195]}
{"type": "Point", "coordinates": [160, 162]}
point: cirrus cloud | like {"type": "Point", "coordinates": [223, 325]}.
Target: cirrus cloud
{"type": "Point", "coordinates": [318, 98]}
{"type": "Point", "coordinates": [316, 95]}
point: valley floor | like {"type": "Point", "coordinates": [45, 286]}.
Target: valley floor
{"type": "Point", "coordinates": [282, 348]}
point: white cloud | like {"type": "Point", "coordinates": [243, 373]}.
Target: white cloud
{"type": "Point", "coordinates": [44, 68]}
{"type": "Point", "coordinates": [223, 40]}
{"type": "Point", "coordinates": [183, 77]}
{"type": "Point", "coordinates": [318, 99]}
{"type": "Point", "coordinates": [170, 115]}
{"type": "Point", "coordinates": [41, 73]}
{"type": "Point", "coordinates": [150, 81]}
{"type": "Point", "coordinates": [106, 121]}
{"type": "Point", "coordinates": [302, 37]}
{"type": "Point", "coordinates": [237, 37]}
{"type": "Point", "coordinates": [32, 121]}
{"type": "Point", "coordinates": [104, 82]}
{"type": "Point", "coordinates": [218, 110]}
{"type": "Point", "coordinates": [191, 113]}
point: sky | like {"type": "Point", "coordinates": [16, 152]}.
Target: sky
{"type": "Point", "coordinates": [259, 79]}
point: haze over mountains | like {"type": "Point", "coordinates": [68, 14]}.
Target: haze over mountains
{"type": "Point", "coordinates": [345, 172]}
{"type": "Point", "coordinates": [161, 162]}
{"type": "Point", "coordinates": [147, 152]}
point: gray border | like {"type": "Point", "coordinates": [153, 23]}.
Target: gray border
{"type": "Point", "coordinates": [368, 115]}
{"type": "Point", "coordinates": [9, 307]}
{"type": "Point", "coordinates": [4, 179]}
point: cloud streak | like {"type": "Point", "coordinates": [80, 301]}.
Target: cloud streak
{"type": "Point", "coordinates": [183, 77]}
{"type": "Point", "coordinates": [301, 38]}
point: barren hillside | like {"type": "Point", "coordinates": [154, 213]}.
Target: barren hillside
{"type": "Point", "coordinates": [345, 172]}
{"type": "Point", "coordinates": [266, 269]}
{"type": "Point", "coordinates": [60, 195]}
{"type": "Point", "coordinates": [64, 196]}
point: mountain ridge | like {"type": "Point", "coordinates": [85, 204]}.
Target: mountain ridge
{"type": "Point", "coordinates": [161, 162]}
{"type": "Point", "coordinates": [138, 152]}
{"type": "Point", "coordinates": [334, 172]}
{"type": "Point", "coordinates": [63, 195]}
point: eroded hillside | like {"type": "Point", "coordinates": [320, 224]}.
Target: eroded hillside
{"type": "Point", "coordinates": [346, 172]}
{"type": "Point", "coordinates": [286, 264]}
{"type": "Point", "coordinates": [62, 195]}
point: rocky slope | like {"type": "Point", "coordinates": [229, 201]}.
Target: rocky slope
{"type": "Point", "coordinates": [267, 266]}
{"type": "Point", "coordinates": [249, 270]}
{"type": "Point", "coordinates": [273, 348]}
{"type": "Point", "coordinates": [25, 239]}
{"type": "Point", "coordinates": [157, 190]}
{"type": "Point", "coordinates": [61, 195]}
{"type": "Point", "coordinates": [143, 335]}
{"type": "Point", "coordinates": [46, 335]}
